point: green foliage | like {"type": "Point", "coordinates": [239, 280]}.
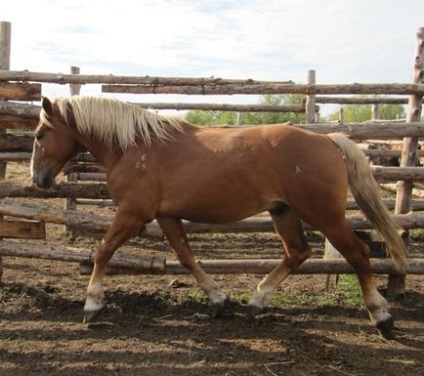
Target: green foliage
{"type": "Point", "coordinates": [208, 118]}
{"type": "Point", "coordinates": [255, 118]}
{"type": "Point", "coordinates": [358, 113]}
{"type": "Point", "coordinates": [196, 296]}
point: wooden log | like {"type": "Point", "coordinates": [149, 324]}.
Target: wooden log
{"type": "Point", "coordinates": [23, 91]}
{"type": "Point", "coordinates": [295, 108]}
{"type": "Point", "coordinates": [157, 265]}
{"type": "Point", "coordinates": [357, 131]}
{"type": "Point", "coordinates": [60, 78]}
{"type": "Point", "coordinates": [398, 173]}
{"type": "Point", "coordinates": [71, 218]}
{"type": "Point", "coordinates": [410, 143]}
{"type": "Point", "coordinates": [262, 89]}
{"type": "Point", "coordinates": [311, 266]}
{"type": "Point", "coordinates": [22, 229]}
{"type": "Point", "coordinates": [16, 122]}
{"type": "Point", "coordinates": [396, 285]}
{"type": "Point", "coordinates": [19, 109]}
{"type": "Point", "coordinates": [417, 204]}
{"type": "Point", "coordinates": [50, 214]}
{"type": "Point", "coordinates": [310, 99]}
{"type": "Point", "coordinates": [15, 157]}
{"type": "Point", "coordinates": [71, 168]}
{"type": "Point", "coordinates": [361, 100]}
{"type": "Point", "coordinates": [385, 153]}
{"type": "Point", "coordinates": [5, 44]}
{"type": "Point", "coordinates": [97, 202]}
{"type": "Point", "coordinates": [91, 176]}
{"type": "Point", "coordinates": [32, 112]}
{"type": "Point", "coordinates": [94, 222]}
{"type": "Point", "coordinates": [121, 262]}
{"type": "Point", "coordinates": [62, 190]}
{"type": "Point", "coordinates": [12, 142]}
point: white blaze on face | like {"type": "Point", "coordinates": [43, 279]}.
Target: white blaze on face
{"type": "Point", "coordinates": [32, 162]}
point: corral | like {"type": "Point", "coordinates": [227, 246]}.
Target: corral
{"type": "Point", "coordinates": [159, 324]}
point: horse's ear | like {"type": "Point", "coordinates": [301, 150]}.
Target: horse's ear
{"type": "Point", "coordinates": [47, 105]}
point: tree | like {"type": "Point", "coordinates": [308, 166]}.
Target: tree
{"type": "Point", "coordinates": [353, 113]}
{"type": "Point", "coordinates": [207, 118]}
{"type": "Point", "coordinates": [276, 117]}
{"type": "Point", "coordinates": [200, 117]}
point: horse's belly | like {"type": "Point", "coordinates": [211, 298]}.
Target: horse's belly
{"type": "Point", "coordinates": [215, 211]}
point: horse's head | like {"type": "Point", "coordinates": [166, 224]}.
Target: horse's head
{"type": "Point", "coordinates": [54, 145]}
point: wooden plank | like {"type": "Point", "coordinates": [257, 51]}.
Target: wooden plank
{"type": "Point", "coordinates": [22, 229]}
{"type": "Point", "coordinates": [22, 91]}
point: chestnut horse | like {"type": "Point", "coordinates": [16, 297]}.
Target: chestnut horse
{"type": "Point", "coordinates": [164, 168]}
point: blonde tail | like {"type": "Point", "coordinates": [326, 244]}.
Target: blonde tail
{"type": "Point", "coordinates": [366, 192]}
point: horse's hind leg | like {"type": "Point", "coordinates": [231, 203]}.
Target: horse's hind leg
{"type": "Point", "coordinates": [356, 253]}
{"type": "Point", "coordinates": [288, 226]}
{"type": "Point", "coordinates": [176, 235]}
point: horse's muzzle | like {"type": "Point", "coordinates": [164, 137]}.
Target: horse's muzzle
{"type": "Point", "coordinates": [44, 179]}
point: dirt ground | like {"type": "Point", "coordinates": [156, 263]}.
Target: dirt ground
{"type": "Point", "coordinates": [160, 325]}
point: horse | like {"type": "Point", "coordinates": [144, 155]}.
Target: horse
{"type": "Point", "coordinates": [165, 168]}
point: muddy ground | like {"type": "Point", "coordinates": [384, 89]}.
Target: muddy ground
{"type": "Point", "coordinates": [156, 325]}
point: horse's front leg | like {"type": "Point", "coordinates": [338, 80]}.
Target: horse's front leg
{"type": "Point", "coordinates": [124, 226]}
{"type": "Point", "coordinates": [176, 235]}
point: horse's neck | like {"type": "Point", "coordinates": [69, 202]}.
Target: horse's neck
{"type": "Point", "coordinates": [105, 154]}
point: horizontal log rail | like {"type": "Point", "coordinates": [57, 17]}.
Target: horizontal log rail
{"type": "Point", "coordinates": [78, 167]}
{"type": "Point", "coordinates": [262, 89]}
{"type": "Point", "coordinates": [62, 190]}
{"type": "Point", "coordinates": [139, 264]}
{"type": "Point", "coordinates": [294, 108]}
{"type": "Point", "coordinates": [60, 78]}
{"type": "Point", "coordinates": [356, 131]}
{"type": "Point", "coordinates": [19, 109]}
{"type": "Point", "coordinates": [26, 112]}
{"type": "Point", "coordinates": [361, 100]}
{"type": "Point", "coordinates": [381, 174]}
{"type": "Point", "coordinates": [22, 91]}
{"type": "Point", "coordinates": [96, 223]}
{"type": "Point", "coordinates": [416, 204]}
{"type": "Point", "coordinates": [123, 263]}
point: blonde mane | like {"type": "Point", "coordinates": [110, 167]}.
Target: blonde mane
{"type": "Point", "coordinates": [111, 121]}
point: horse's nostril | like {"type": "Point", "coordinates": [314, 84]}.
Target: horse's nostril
{"type": "Point", "coordinates": [44, 180]}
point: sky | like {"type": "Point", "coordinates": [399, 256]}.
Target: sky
{"type": "Point", "coordinates": [345, 41]}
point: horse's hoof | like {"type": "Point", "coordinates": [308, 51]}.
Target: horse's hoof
{"type": "Point", "coordinates": [253, 310]}
{"type": "Point", "coordinates": [385, 326]}
{"type": "Point", "coordinates": [90, 316]}
{"type": "Point", "coordinates": [217, 308]}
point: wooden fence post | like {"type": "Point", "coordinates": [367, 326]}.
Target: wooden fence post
{"type": "Point", "coordinates": [5, 40]}
{"type": "Point", "coordinates": [71, 203]}
{"type": "Point", "coordinates": [396, 284]}
{"type": "Point", "coordinates": [375, 111]}
{"type": "Point", "coordinates": [310, 99]}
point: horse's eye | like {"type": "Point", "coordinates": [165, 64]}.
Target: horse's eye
{"type": "Point", "coordinates": [38, 136]}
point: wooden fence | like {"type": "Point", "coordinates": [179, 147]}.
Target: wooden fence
{"type": "Point", "coordinates": [26, 86]}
